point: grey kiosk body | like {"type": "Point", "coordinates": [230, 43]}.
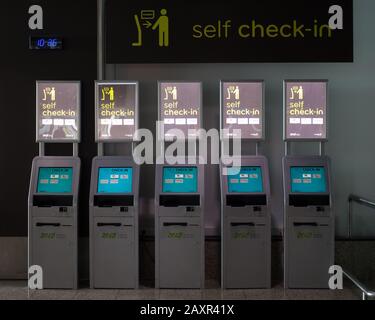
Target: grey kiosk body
{"type": "Point", "coordinates": [54, 186]}
{"type": "Point", "coordinates": [246, 231]}
{"type": "Point", "coordinates": [179, 233]}
{"type": "Point", "coordinates": [309, 232]}
{"type": "Point", "coordinates": [114, 228]}
{"type": "Point", "coordinates": [114, 189]}
{"type": "Point", "coordinates": [309, 228]}
{"type": "Point", "coordinates": [53, 240]}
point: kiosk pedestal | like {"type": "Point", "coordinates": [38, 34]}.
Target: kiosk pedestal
{"type": "Point", "coordinates": [114, 223]}
{"type": "Point", "coordinates": [246, 224]}
{"type": "Point", "coordinates": [179, 226]}
{"type": "Point", "coordinates": [53, 213]}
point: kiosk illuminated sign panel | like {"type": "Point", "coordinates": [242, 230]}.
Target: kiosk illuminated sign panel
{"type": "Point", "coordinates": [116, 108]}
{"type": "Point", "coordinates": [305, 110]}
{"type": "Point", "coordinates": [242, 109]}
{"type": "Point", "coordinates": [58, 111]}
{"type": "Point", "coordinates": [180, 107]}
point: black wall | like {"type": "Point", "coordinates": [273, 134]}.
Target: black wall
{"type": "Point", "coordinates": [75, 21]}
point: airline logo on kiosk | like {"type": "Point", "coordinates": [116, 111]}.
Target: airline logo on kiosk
{"type": "Point", "coordinates": [242, 108]}
{"type": "Point", "coordinates": [116, 108]}
{"type": "Point", "coordinates": [58, 111]}
{"type": "Point", "coordinates": [48, 235]}
{"type": "Point", "coordinates": [305, 110]}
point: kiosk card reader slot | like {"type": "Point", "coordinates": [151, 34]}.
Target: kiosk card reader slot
{"type": "Point", "coordinates": [309, 221]}
{"type": "Point", "coordinates": [114, 222]}
{"type": "Point", "coordinates": [179, 226]}
{"type": "Point", "coordinates": [246, 224]}
{"type": "Point", "coordinates": [53, 212]}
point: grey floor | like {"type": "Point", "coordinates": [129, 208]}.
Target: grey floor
{"type": "Point", "coordinates": [16, 290]}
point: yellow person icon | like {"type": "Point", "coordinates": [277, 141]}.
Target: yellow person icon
{"type": "Point", "coordinates": [51, 92]}
{"type": "Point", "coordinates": [108, 91]}
{"type": "Point", "coordinates": [296, 91]}
{"type": "Point", "coordinates": [233, 90]}
{"type": "Point", "coordinates": [163, 24]}
{"type": "Point", "coordinates": [170, 91]}
{"type": "Point", "coordinates": [146, 20]}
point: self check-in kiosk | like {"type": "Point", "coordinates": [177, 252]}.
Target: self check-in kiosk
{"type": "Point", "coordinates": [308, 215]}
{"type": "Point", "coordinates": [179, 194]}
{"type": "Point", "coordinates": [114, 203]}
{"type": "Point", "coordinates": [179, 226]}
{"type": "Point", "coordinates": [54, 185]}
{"type": "Point", "coordinates": [245, 191]}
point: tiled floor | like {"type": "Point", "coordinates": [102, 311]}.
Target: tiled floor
{"type": "Point", "coordinates": [16, 290]}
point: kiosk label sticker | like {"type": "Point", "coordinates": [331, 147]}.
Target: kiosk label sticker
{"type": "Point", "coordinates": [305, 110]}
{"type": "Point", "coordinates": [58, 108]}
{"type": "Point", "coordinates": [180, 107]}
{"type": "Point", "coordinates": [242, 108]}
{"type": "Point", "coordinates": [116, 111]}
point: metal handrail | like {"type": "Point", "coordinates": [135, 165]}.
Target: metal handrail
{"type": "Point", "coordinates": [361, 200]}
{"type": "Point", "coordinates": [365, 292]}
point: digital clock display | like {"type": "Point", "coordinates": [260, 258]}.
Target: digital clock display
{"type": "Point", "coordinates": [45, 43]}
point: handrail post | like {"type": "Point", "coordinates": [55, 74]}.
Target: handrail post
{"type": "Point", "coordinates": [350, 218]}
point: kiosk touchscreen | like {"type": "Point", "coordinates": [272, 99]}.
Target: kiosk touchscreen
{"type": "Point", "coordinates": [309, 222]}
{"type": "Point", "coordinates": [114, 190]}
{"type": "Point", "coordinates": [246, 229]}
{"type": "Point", "coordinates": [179, 225]}
{"type": "Point", "coordinates": [53, 199]}
{"type": "Point", "coordinates": [114, 219]}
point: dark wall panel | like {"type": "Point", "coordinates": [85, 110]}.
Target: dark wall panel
{"type": "Point", "coordinates": [75, 21]}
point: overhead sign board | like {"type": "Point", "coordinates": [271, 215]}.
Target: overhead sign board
{"type": "Point", "coordinates": [194, 31]}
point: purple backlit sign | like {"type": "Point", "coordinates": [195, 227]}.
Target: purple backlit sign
{"type": "Point", "coordinates": [242, 108]}
{"type": "Point", "coordinates": [305, 110]}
